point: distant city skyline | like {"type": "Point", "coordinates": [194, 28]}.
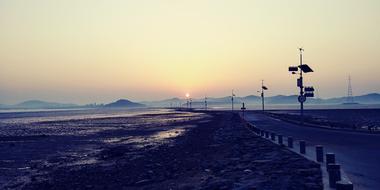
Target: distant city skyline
{"type": "Point", "coordinates": [86, 51]}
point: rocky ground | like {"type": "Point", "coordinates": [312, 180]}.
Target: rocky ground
{"type": "Point", "coordinates": [158, 151]}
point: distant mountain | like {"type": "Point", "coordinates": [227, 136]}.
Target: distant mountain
{"type": "Point", "coordinates": [369, 98]}
{"type": "Point", "coordinates": [38, 104]}
{"type": "Point", "coordinates": [251, 98]}
{"type": "Point", "coordinates": [281, 99]}
{"type": "Point", "coordinates": [122, 103]}
{"type": "Point", "coordinates": [164, 103]}
{"type": "Point", "coordinates": [372, 98]}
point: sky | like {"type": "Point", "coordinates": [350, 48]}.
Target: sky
{"type": "Point", "coordinates": [85, 51]}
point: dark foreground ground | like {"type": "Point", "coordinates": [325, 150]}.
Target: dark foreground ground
{"type": "Point", "coordinates": [157, 151]}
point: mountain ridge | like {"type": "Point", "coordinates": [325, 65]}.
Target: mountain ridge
{"type": "Point", "coordinates": [370, 98]}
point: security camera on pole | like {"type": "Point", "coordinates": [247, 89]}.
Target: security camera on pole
{"type": "Point", "coordinates": [304, 91]}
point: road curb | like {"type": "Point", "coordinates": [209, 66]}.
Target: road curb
{"type": "Point", "coordinates": [332, 178]}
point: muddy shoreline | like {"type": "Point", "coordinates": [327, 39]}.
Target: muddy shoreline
{"type": "Point", "coordinates": [157, 151]}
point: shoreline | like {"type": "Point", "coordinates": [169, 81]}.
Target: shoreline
{"type": "Point", "coordinates": [179, 150]}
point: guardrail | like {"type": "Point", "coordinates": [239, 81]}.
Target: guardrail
{"type": "Point", "coordinates": [336, 180]}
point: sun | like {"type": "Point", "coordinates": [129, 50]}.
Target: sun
{"type": "Point", "coordinates": [187, 95]}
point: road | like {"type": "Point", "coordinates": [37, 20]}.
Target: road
{"type": "Point", "coordinates": [358, 153]}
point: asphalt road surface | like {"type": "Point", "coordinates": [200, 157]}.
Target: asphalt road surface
{"type": "Point", "coordinates": [358, 153]}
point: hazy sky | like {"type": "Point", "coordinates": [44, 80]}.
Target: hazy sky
{"type": "Point", "coordinates": [85, 51]}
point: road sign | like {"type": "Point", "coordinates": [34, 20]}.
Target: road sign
{"type": "Point", "coordinates": [301, 99]}
{"type": "Point", "coordinates": [299, 82]}
{"type": "Point", "coordinates": [309, 94]}
{"type": "Point", "coordinates": [309, 89]}
{"type": "Point", "coordinates": [293, 68]}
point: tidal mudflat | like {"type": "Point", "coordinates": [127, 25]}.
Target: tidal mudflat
{"type": "Point", "coordinates": [159, 149]}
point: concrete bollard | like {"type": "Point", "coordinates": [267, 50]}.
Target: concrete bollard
{"type": "Point", "coordinates": [273, 136]}
{"type": "Point", "coordinates": [280, 140]}
{"type": "Point", "coordinates": [290, 142]}
{"type": "Point", "coordinates": [319, 153]}
{"type": "Point", "coordinates": [341, 185]}
{"type": "Point", "coordinates": [330, 159]}
{"type": "Point", "coordinates": [302, 147]}
{"type": "Point", "coordinates": [334, 174]}
{"type": "Point", "coordinates": [266, 134]}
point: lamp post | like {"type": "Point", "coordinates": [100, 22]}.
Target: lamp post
{"type": "Point", "coordinates": [304, 91]}
{"type": "Point", "coordinates": [188, 101]}
{"type": "Point", "coordinates": [205, 102]}
{"type": "Point", "coordinates": [232, 100]}
{"type": "Point", "coordinates": [263, 88]}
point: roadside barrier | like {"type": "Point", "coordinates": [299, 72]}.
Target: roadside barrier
{"type": "Point", "coordinates": [290, 142]}
{"type": "Point", "coordinates": [273, 136]}
{"type": "Point", "coordinates": [319, 153]}
{"type": "Point", "coordinates": [280, 140]}
{"type": "Point", "coordinates": [302, 147]}
{"type": "Point", "coordinates": [335, 180]}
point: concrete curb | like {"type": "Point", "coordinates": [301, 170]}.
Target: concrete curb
{"type": "Point", "coordinates": [332, 174]}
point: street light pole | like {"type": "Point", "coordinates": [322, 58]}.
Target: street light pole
{"type": "Point", "coordinates": [301, 83]}
{"type": "Point", "coordinates": [232, 100]}
{"type": "Point", "coordinates": [307, 91]}
{"type": "Point", "coordinates": [205, 102]}
{"type": "Point", "coordinates": [262, 94]}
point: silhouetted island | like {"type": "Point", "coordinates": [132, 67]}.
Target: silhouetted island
{"type": "Point", "coordinates": [124, 103]}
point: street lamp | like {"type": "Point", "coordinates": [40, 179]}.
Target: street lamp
{"type": "Point", "coordinates": [304, 91]}
{"type": "Point", "coordinates": [263, 88]}
{"type": "Point", "coordinates": [205, 102]}
{"type": "Point", "coordinates": [188, 104]}
{"type": "Point", "coordinates": [232, 100]}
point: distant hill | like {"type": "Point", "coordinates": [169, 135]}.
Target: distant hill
{"type": "Point", "coordinates": [281, 99]}
{"type": "Point", "coordinates": [38, 104]}
{"type": "Point", "coordinates": [122, 103]}
{"type": "Point", "coordinates": [373, 98]}
{"type": "Point", "coordinates": [164, 103]}
{"type": "Point", "coordinates": [251, 98]}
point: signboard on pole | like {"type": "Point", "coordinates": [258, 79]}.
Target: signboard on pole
{"type": "Point", "coordinates": [301, 99]}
